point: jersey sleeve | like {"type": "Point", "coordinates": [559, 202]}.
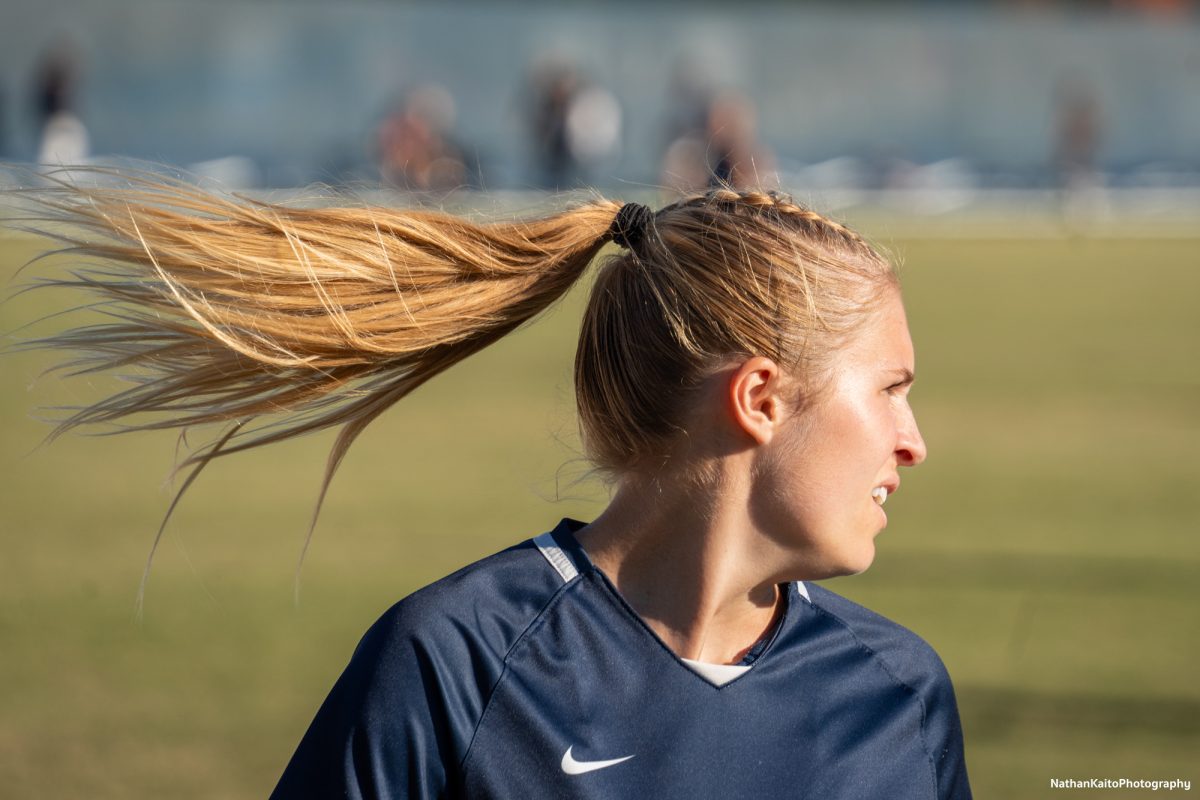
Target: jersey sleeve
{"type": "Point", "coordinates": [943, 730]}
{"type": "Point", "coordinates": [910, 660]}
{"type": "Point", "coordinates": [400, 720]}
{"type": "Point", "coordinates": [383, 733]}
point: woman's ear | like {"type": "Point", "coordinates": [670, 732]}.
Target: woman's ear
{"type": "Point", "coordinates": [755, 402]}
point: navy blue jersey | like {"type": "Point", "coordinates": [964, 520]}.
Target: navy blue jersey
{"type": "Point", "coordinates": [527, 675]}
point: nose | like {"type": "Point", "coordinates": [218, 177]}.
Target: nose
{"type": "Point", "coordinates": [910, 447]}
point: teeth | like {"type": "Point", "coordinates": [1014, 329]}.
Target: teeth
{"type": "Point", "coordinates": [879, 493]}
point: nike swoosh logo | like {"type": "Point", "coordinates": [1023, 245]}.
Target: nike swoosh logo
{"type": "Point", "coordinates": [573, 767]}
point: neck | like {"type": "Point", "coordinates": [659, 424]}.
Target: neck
{"type": "Point", "coordinates": [691, 564]}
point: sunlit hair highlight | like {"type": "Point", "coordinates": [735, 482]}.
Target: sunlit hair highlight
{"type": "Point", "coordinates": [280, 321]}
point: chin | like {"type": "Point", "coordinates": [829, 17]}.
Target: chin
{"type": "Point", "coordinates": [857, 563]}
{"type": "Point", "coordinates": [841, 565]}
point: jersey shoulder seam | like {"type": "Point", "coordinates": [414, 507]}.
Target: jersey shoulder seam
{"type": "Point", "coordinates": [533, 623]}
{"type": "Point", "coordinates": [886, 667]}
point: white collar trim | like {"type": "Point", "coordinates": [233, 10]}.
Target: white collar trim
{"type": "Point", "coordinates": [716, 674]}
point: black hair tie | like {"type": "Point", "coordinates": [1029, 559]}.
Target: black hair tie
{"type": "Point", "coordinates": [628, 228]}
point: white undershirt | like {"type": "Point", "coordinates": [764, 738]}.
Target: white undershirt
{"type": "Point", "coordinates": [721, 674]}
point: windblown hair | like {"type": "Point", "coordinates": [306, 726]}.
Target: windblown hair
{"type": "Point", "coordinates": [278, 321]}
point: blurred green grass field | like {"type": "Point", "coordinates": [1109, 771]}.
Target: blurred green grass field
{"type": "Point", "coordinates": [1049, 548]}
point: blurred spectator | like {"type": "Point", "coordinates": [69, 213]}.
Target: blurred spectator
{"type": "Point", "coordinates": [737, 158]}
{"type": "Point", "coordinates": [575, 126]}
{"type": "Point", "coordinates": [1076, 146]}
{"type": "Point", "coordinates": [3, 129]}
{"type": "Point", "coordinates": [688, 99]}
{"type": "Point", "coordinates": [1077, 133]}
{"type": "Point", "coordinates": [415, 144]}
{"type": "Point", "coordinates": [685, 159]}
{"type": "Point", "coordinates": [62, 137]}
{"type": "Point", "coordinates": [551, 86]}
{"type": "Point", "coordinates": [728, 153]}
{"type": "Point", "coordinates": [593, 127]}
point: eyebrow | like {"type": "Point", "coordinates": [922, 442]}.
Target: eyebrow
{"type": "Point", "coordinates": [906, 376]}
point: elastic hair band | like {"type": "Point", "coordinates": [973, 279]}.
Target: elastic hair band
{"type": "Point", "coordinates": [628, 228]}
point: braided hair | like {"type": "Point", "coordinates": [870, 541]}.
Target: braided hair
{"type": "Point", "coordinates": [718, 275]}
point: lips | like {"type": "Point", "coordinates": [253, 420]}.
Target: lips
{"type": "Point", "coordinates": [881, 492]}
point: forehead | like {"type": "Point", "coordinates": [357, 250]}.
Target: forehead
{"type": "Point", "coordinates": [884, 340]}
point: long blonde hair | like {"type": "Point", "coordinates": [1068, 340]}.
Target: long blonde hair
{"type": "Point", "coordinates": [278, 321]}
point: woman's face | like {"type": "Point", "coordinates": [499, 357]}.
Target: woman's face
{"type": "Point", "coordinates": [824, 476]}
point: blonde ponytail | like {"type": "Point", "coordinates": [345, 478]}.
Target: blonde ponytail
{"type": "Point", "coordinates": [281, 321]}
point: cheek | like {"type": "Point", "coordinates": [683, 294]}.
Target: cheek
{"type": "Point", "coordinates": [809, 482]}
{"type": "Point", "coordinates": [861, 435]}
{"type": "Point", "coordinates": [791, 480]}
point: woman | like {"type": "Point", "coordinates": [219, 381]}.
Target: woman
{"type": "Point", "coordinates": [742, 374]}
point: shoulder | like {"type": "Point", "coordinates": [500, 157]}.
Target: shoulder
{"type": "Point", "coordinates": [907, 657]}
{"type": "Point", "coordinates": [910, 661]}
{"type": "Point", "coordinates": [401, 716]}
{"type": "Point", "coordinates": [477, 613]}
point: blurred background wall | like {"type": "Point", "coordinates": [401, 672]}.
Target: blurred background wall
{"type": "Point", "coordinates": [850, 94]}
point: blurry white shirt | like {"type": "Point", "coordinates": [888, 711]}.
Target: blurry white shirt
{"type": "Point", "coordinates": [64, 141]}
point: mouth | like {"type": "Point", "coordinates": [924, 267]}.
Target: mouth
{"type": "Point", "coordinates": [880, 493]}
